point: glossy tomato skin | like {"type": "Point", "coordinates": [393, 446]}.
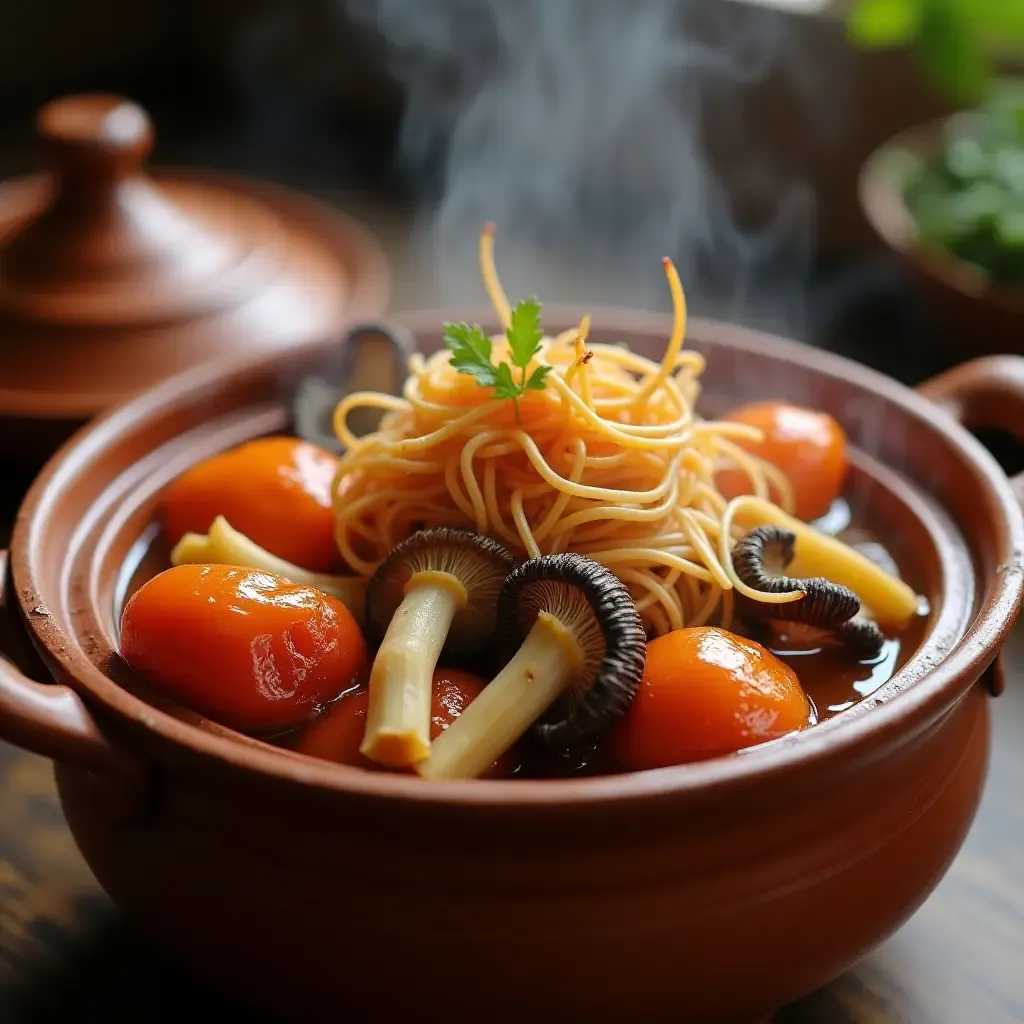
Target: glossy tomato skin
{"type": "Point", "coordinates": [705, 693]}
{"type": "Point", "coordinates": [275, 490]}
{"type": "Point", "coordinates": [808, 445]}
{"type": "Point", "coordinates": [337, 734]}
{"type": "Point", "coordinates": [243, 647]}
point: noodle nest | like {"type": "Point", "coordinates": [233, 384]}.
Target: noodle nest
{"type": "Point", "coordinates": [609, 460]}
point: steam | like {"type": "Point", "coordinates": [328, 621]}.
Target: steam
{"type": "Point", "coordinates": [584, 128]}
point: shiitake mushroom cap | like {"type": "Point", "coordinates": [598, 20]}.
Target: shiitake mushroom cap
{"type": "Point", "coordinates": [481, 565]}
{"type": "Point", "coordinates": [597, 608]}
{"type": "Point", "coordinates": [760, 559]}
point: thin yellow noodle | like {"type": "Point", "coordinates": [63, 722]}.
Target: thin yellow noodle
{"type": "Point", "coordinates": [652, 556]}
{"type": "Point", "coordinates": [363, 400]}
{"type": "Point", "coordinates": [519, 517]}
{"type": "Point", "coordinates": [675, 341]}
{"type": "Point", "coordinates": [728, 602]}
{"type": "Point", "coordinates": [707, 609]}
{"type": "Point", "coordinates": [701, 545]}
{"type": "Point", "coordinates": [657, 592]}
{"type": "Point", "coordinates": [658, 619]}
{"type": "Point", "coordinates": [575, 474]}
{"type": "Point", "coordinates": [494, 516]}
{"type": "Point", "coordinates": [472, 487]}
{"type": "Point", "coordinates": [725, 549]}
{"type": "Point", "coordinates": [609, 459]}
{"type": "Point", "coordinates": [452, 481]}
{"type": "Point", "coordinates": [494, 290]}
{"type": "Point", "coordinates": [579, 351]}
{"type": "Point", "coordinates": [581, 361]}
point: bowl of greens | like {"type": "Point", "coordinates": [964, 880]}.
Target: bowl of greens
{"type": "Point", "coordinates": [948, 197]}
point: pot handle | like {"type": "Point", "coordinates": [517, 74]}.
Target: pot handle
{"type": "Point", "coordinates": [47, 718]}
{"type": "Point", "coordinates": [986, 392]}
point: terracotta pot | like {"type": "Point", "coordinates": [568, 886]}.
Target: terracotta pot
{"type": "Point", "coordinates": [326, 892]}
{"type": "Point", "coordinates": [113, 277]}
{"type": "Point", "coordinates": [980, 316]}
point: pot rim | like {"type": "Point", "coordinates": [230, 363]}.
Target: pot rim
{"type": "Point", "coordinates": [901, 718]}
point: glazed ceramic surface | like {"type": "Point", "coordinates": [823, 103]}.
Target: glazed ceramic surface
{"type": "Point", "coordinates": [710, 892]}
{"type": "Point", "coordinates": [112, 278]}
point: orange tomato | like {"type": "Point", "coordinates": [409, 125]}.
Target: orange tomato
{"type": "Point", "coordinates": [807, 445]}
{"type": "Point", "coordinates": [275, 490]}
{"type": "Point", "coordinates": [243, 647]}
{"type": "Point", "coordinates": [707, 692]}
{"type": "Point", "coordinates": [336, 735]}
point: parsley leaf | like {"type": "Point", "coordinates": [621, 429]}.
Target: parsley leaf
{"type": "Point", "coordinates": [524, 334]}
{"type": "Point", "coordinates": [506, 386]}
{"type": "Point", "coordinates": [471, 353]}
{"type": "Point", "coordinates": [538, 378]}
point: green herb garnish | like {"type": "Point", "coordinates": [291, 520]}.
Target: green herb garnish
{"type": "Point", "coordinates": [471, 353]}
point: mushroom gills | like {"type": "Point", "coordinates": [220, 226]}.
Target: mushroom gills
{"type": "Point", "coordinates": [581, 657]}
{"type": "Point", "coordinates": [398, 715]}
{"type": "Point", "coordinates": [436, 591]}
{"type": "Point", "coordinates": [861, 637]}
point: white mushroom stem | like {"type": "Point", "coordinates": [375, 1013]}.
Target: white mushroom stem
{"type": "Point", "coordinates": [224, 545]}
{"type": "Point", "coordinates": [530, 683]}
{"type": "Point", "coordinates": [401, 680]}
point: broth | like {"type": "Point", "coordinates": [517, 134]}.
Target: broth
{"type": "Point", "coordinates": [832, 679]}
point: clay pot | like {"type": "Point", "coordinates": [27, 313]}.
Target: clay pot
{"type": "Point", "coordinates": [112, 278]}
{"type": "Point", "coordinates": [326, 892]}
{"type": "Point", "coordinates": [979, 315]}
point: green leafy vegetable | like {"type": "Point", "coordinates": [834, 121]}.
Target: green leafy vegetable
{"type": "Point", "coordinates": [472, 353]}
{"type": "Point", "coordinates": [969, 199]}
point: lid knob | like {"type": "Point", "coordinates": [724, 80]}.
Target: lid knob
{"type": "Point", "coordinates": [110, 246]}
{"type": "Point", "coordinates": [94, 139]}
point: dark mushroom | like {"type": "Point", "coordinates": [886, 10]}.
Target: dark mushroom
{"type": "Point", "coordinates": [579, 664]}
{"type": "Point", "coordinates": [437, 590]}
{"type": "Point", "coordinates": [826, 610]}
{"type": "Point", "coordinates": [760, 560]}
{"type": "Point", "coordinates": [861, 637]}
{"type": "Point", "coordinates": [371, 357]}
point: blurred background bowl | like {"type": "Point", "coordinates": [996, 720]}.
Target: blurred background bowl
{"type": "Point", "coordinates": [978, 314]}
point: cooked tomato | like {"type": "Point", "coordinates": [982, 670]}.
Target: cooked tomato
{"type": "Point", "coordinates": [275, 490]}
{"type": "Point", "coordinates": [707, 692]}
{"type": "Point", "coordinates": [807, 445]}
{"type": "Point", "coordinates": [243, 647]}
{"type": "Point", "coordinates": [337, 734]}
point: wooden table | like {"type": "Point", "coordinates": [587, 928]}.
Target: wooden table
{"type": "Point", "coordinates": [960, 960]}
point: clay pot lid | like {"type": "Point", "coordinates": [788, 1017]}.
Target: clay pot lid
{"type": "Point", "coordinates": [112, 277]}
